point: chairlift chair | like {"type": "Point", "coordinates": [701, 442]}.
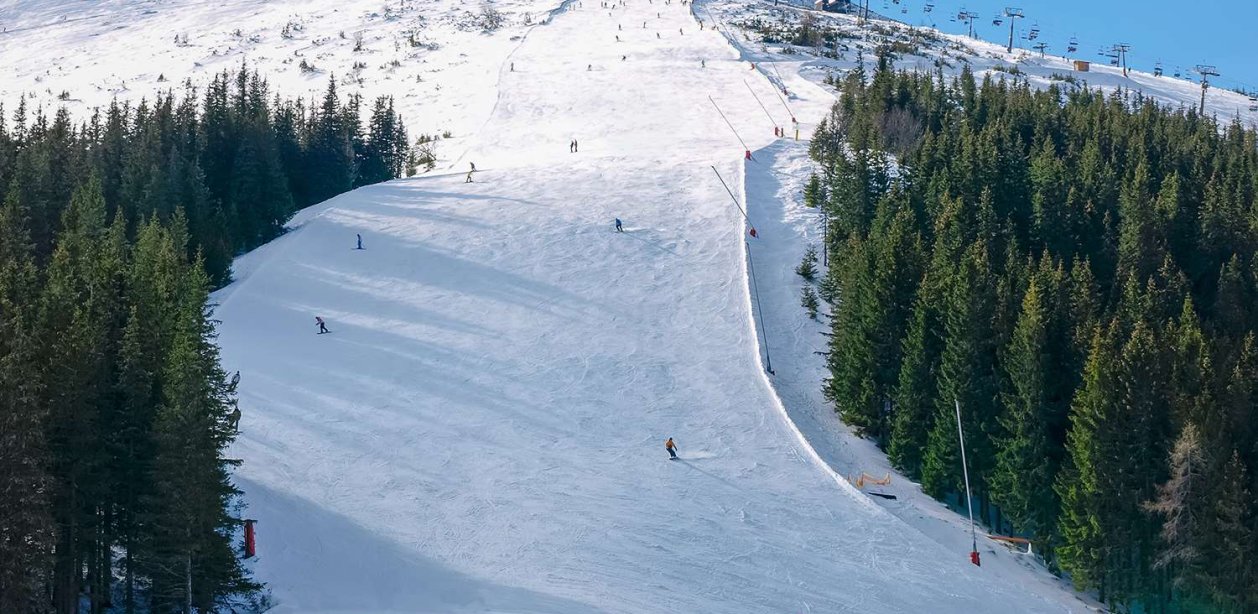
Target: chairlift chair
{"type": "Point", "coordinates": [1073, 46]}
{"type": "Point", "coordinates": [928, 8]}
{"type": "Point", "coordinates": [1157, 69]}
{"type": "Point", "coordinates": [997, 20]}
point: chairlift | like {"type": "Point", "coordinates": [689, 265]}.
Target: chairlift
{"type": "Point", "coordinates": [997, 20]}
{"type": "Point", "coordinates": [904, 10]}
{"type": "Point", "coordinates": [1073, 46]}
{"type": "Point", "coordinates": [1177, 72]}
{"type": "Point", "coordinates": [1113, 61]}
{"type": "Point", "coordinates": [928, 8]}
{"type": "Point", "coordinates": [1157, 69]}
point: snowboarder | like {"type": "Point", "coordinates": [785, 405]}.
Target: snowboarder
{"type": "Point", "coordinates": [672, 449]}
{"type": "Point", "coordinates": [469, 173]}
{"type": "Point", "coordinates": [323, 328]}
{"type": "Point", "coordinates": [619, 227]}
{"type": "Point", "coordinates": [360, 241]}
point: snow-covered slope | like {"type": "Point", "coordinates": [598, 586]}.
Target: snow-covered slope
{"type": "Point", "coordinates": [483, 429]}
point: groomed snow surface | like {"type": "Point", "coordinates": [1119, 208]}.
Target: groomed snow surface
{"type": "Point", "coordinates": [483, 429]}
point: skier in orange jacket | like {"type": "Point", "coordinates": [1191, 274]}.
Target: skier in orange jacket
{"type": "Point", "coordinates": [672, 449]}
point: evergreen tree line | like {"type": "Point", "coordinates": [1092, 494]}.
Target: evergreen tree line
{"type": "Point", "coordinates": [1078, 272]}
{"type": "Point", "coordinates": [115, 415]}
{"type": "Point", "coordinates": [236, 159]}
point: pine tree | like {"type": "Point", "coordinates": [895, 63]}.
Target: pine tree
{"type": "Point", "coordinates": [25, 516]}
{"type": "Point", "coordinates": [80, 316]}
{"type": "Point", "coordinates": [966, 375]}
{"type": "Point", "coordinates": [330, 155]}
{"type": "Point", "coordinates": [1078, 484]}
{"type": "Point", "coordinates": [188, 544]}
{"type": "Point", "coordinates": [1180, 503]}
{"type": "Point", "coordinates": [808, 266]}
{"type": "Point", "coordinates": [1233, 577]}
{"type": "Point", "coordinates": [1022, 480]}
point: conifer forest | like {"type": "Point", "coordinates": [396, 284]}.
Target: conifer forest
{"type": "Point", "coordinates": [1077, 271]}
{"type": "Point", "coordinates": [115, 414]}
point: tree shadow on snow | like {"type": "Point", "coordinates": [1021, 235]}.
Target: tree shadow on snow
{"type": "Point", "coordinates": [317, 560]}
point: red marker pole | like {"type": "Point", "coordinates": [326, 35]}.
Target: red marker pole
{"type": "Point", "coordinates": [250, 541]}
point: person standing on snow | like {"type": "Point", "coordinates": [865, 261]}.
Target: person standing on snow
{"type": "Point", "coordinates": [672, 449]}
{"type": "Point", "coordinates": [360, 241]}
{"type": "Point", "coordinates": [619, 228]}
{"type": "Point", "coordinates": [323, 328]}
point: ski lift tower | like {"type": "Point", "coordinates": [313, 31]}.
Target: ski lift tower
{"type": "Point", "coordinates": [1014, 14]}
{"type": "Point", "coordinates": [968, 16]}
{"type": "Point", "coordinates": [1206, 71]}
{"type": "Point", "coordinates": [1040, 47]}
{"type": "Point", "coordinates": [1121, 49]}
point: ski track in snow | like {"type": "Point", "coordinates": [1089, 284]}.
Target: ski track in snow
{"type": "Point", "coordinates": [483, 430]}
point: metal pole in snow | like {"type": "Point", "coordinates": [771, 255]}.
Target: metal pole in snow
{"type": "Point", "coordinates": [751, 268]}
{"type": "Point", "coordinates": [968, 500]}
{"type": "Point", "coordinates": [766, 111]}
{"type": "Point", "coordinates": [731, 127]}
{"type": "Point", "coordinates": [783, 100]}
{"type": "Point", "coordinates": [731, 196]}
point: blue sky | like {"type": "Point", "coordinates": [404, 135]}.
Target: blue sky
{"type": "Point", "coordinates": [1179, 34]}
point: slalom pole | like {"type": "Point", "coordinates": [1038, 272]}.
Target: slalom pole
{"type": "Point", "coordinates": [969, 501]}
{"type": "Point", "coordinates": [779, 94]}
{"type": "Point", "coordinates": [735, 201]}
{"type": "Point", "coordinates": [731, 128]}
{"type": "Point", "coordinates": [751, 268]}
{"type": "Point", "coordinates": [766, 111]}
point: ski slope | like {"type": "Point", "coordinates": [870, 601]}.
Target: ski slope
{"type": "Point", "coordinates": [483, 429]}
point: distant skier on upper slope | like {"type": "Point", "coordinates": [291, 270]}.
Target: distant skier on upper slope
{"type": "Point", "coordinates": [672, 449]}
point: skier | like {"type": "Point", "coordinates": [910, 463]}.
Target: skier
{"type": "Point", "coordinates": [360, 241]}
{"type": "Point", "coordinates": [469, 173]}
{"type": "Point", "coordinates": [619, 228]}
{"type": "Point", "coordinates": [323, 328]}
{"type": "Point", "coordinates": [672, 449]}
{"type": "Point", "coordinates": [576, 146]}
